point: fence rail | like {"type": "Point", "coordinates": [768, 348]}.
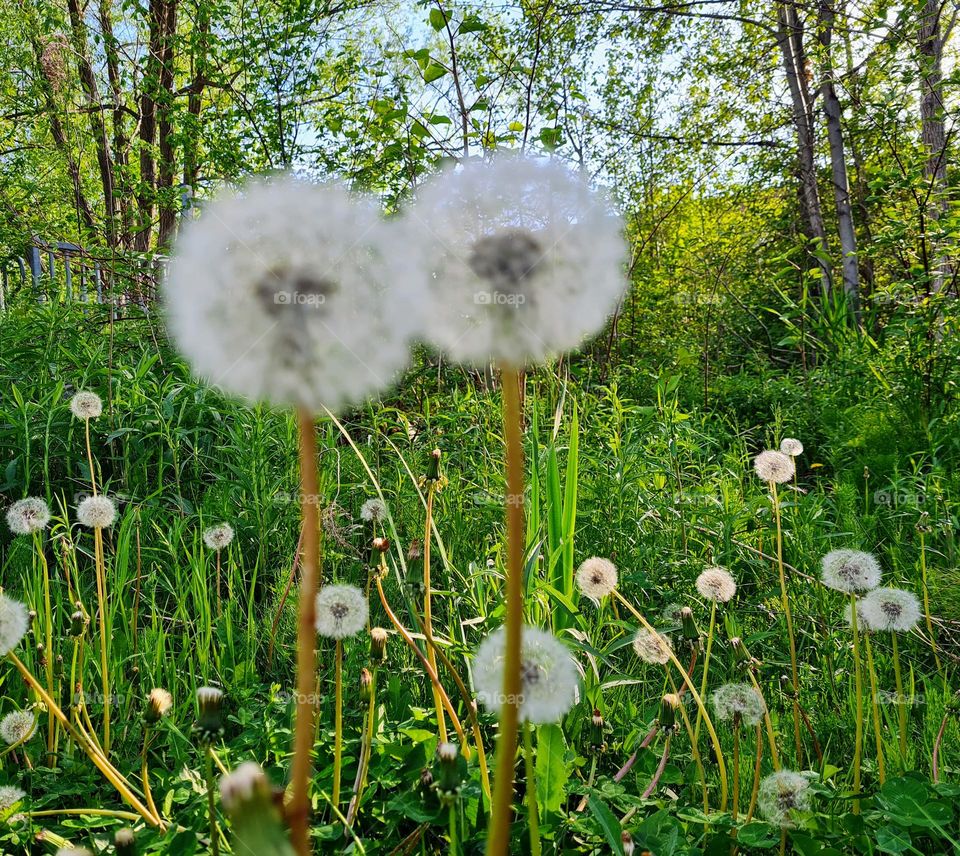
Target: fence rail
{"type": "Point", "coordinates": [64, 272]}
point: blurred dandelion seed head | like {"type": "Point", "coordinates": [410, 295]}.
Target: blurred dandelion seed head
{"type": "Point", "coordinates": [14, 623]}
{"type": "Point", "coordinates": [18, 726]}
{"type": "Point", "coordinates": [731, 700]}
{"type": "Point", "coordinates": [783, 795]}
{"type": "Point", "coordinates": [652, 647]}
{"type": "Point", "coordinates": [791, 446]}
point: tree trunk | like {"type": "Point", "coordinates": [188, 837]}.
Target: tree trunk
{"type": "Point", "coordinates": [838, 166]}
{"type": "Point", "coordinates": [931, 38]}
{"type": "Point", "coordinates": [790, 42]}
{"type": "Point", "coordinates": [146, 193]}
{"type": "Point", "coordinates": [191, 143]}
{"type": "Point", "coordinates": [97, 125]}
{"type": "Point", "coordinates": [166, 195]}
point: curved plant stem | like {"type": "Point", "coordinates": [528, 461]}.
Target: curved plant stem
{"type": "Point", "coordinates": [101, 763]}
{"type": "Point", "coordinates": [926, 602]}
{"type": "Point", "coordinates": [369, 727]}
{"type": "Point", "coordinates": [694, 748]}
{"type": "Point", "coordinates": [48, 647]}
{"type": "Point", "coordinates": [901, 700]}
{"type": "Point", "coordinates": [706, 664]}
{"type": "Point", "coordinates": [145, 772]}
{"type": "Point", "coordinates": [299, 812]}
{"type": "Point", "coordinates": [498, 837]}
{"type": "Point", "coordinates": [659, 771]}
{"type": "Point", "coordinates": [337, 722]}
{"type": "Point", "coordinates": [936, 747]}
{"type": "Point", "coordinates": [426, 665]}
{"type": "Point", "coordinates": [858, 691]}
{"type": "Point", "coordinates": [875, 708]}
{"type": "Point", "coordinates": [428, 610]}
{"type": "Point", "coordinates": [756, 775]}
{"type": "Point", "coordinates": [785, 602]}
{"type": "Point", "coordinates": [533, 816]}
{"type": "Point", "coordinates": [718, 751]}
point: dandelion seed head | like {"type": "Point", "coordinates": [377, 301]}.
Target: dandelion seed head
{"type": "Point", "coordinates": [342, 611]}
{"type": "Point", "coordinates": [652, 647]}
{"type": "Point", "coordinates": [791, 446]}
{"type": "Point", "coordinates": [889, 609]}
{"type": "Point", "coordinates": [287, 291]}
{"type": "Point", "coordinates": [218, 537]}
{"type": "Point", "coordinates": [783, 795]}
{"type": "Point", "coordinates": [73, 851]}
{"type": "Point", "coordinates": [773, 466]}
{"type": "Point", "coordinates": [86, 405]}
{"type": "Point", "coordinates": [672, 613]}
{"type": "Point", "coordinates": [734, 699]}
{"type": "Point", "coordinates": [18, 726]}
{"type": "Point", "coordinates": [27, 516]}
{"type": "Point", "coordinates": [549, 678]}
{"type": "Point", "coordinates": [850, 571]}
{"type": "Point", "coordinates": [159, 702]}
{"type": "Point", "coordinates": [96, 512]}
{"type": "Point", "coordinates": [14, 623]}
{"type": "Point", "coordinates": [597, 577]}
{"type": "Point", "coordinates": [373, 510]}
{"type": "Point", "coordinates": [524, 259]}
{"type": "Point", "coordinates": [716, 584]}
{"type": "Point", "coordinates": [9, 797]}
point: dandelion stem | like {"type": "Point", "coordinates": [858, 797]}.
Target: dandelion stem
{"type": "Point", "coordinates": [369, 727]}
{"type": "Point", "coordinates": [936, 746]}
{"type": "Point", "coordinates": [756, 775]}
{"type": "Point", "coordinates": [533, 817]}
{"type": "Point", "coordinates": [145, 773]}
{"type": "Point", "coordinates": [499, 830]}
{"type": "Point", "coordinates": [926, 602]}
{"type": "Point", "coordinates": [48, 647]}
{"type": "Point", "coordinates": [337, 722]}
{"type": "Point", "coordinates": [706, 664]}
{"type": "Point", "coordinates": [306, 633]}
{"type": "Point", "coordinates": [901, 700]}
{"type": "Point", "coordinates": [858, 691]}
{"type": "Point", "coordinates": [736, 767]}
{"type": "Point", "coordinates": [428, 609]}
{"type": "Point", "coordinates": [659, 771]}
{"type": "Point", "coordinates": [99, 562]}
{"type": "Point", "coordinates": [212, 807]}
{"type": "Point", "coordinates": [718, 751]}
{"type": "Point", "coordinates": [875, 708]}
{"type": "Point", "coordinates": [785, 600]}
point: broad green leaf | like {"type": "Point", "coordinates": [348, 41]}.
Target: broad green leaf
{"type": "Point", "coordinates": [552, 770]}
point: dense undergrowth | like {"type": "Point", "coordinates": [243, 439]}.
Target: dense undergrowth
{"type": "Point", "coordinates": [647, 466]}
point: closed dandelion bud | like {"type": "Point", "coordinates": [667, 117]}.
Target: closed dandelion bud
{"type": "Point", "coordinates": [689, 625]}
{"type": "Point", "coordinates": [378, 645]}
{"type": "Point", "coordinates": [378, 547]}
{"type": "Point", "coordinates": [923, 524]}
{"type": "Point", "coordinates": [667, 721]}
{"type": "Point", "coordinates": [415, 551]}
{"type": "Point", "coordinates": [366, 684]}
{"type": "Point", "coordinates": [451, 770]}
{"type": "Point", "coordinates": [41, 654]}
{"type": "Point", "coordinates": [32, 615]}
{"type": "Point", "coordinates": [248, 798]}
{"type": "Point", "coordinates": [209, 724]}
{"type": "Point", "coordinates": [626, 842]}
{"type": "Point", "coordinates": [58, 666]}
{"type": "Point", "coordinates": [124, 842]}
{"type": "Point", "coordinates": [159, 702]}
{"type": "Point", "coordinates": [433, 467]}
{"type": "Point", "coordinates": [740, 655]}
{"type": "Point", "coordinates": [426, 780]}
{"type": "Point", "coordinates": [597, 732]}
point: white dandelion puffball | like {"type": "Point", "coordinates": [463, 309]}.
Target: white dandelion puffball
{"type": "Point", "coordinates": [731, 700]}
{"type": "Point", "coordinates": [652, 647]}
{"type": "Point", "coordinates": [342, 611]}
{"type": "Point", "coordinates": [9, 797]}
{"type": "Point", "coordinates": [782, 795]}
{"type": "Point", "coordinates": [27, 516]}
{"type": "Point", "coordinates": [218, 537]}
{"type": "Point", "coordinates": [86, 405]}
{"type": "Point", "coordinates": [597, 577]}
{"type": "Point", "coordinates": [18, 726]}
{"type": "Point", "coordinates": [523, 258]}
{"type": "Point", "coordinates": [773, 466]}
{"type": "Point", "coordinates": [548, 675]}
{"type": "Point", "coordinates": [373, 511]}
{"type": "Point", "coordinates": [791, 446]}
{"type": "Point", "coordinates": [716, 584]}
{"type": "Point", "coordinates": [14, 623]}
{"type": "Point", "coordinates": [74, 851]}
{"type": "Point", "coordinates": [850, 571]}
{"type": "Point", "coordinates": [96, 512]}
{"type": "Point", "coordinates": [889, 609]}
{"type": "Point", "coordinates": [284, 292]}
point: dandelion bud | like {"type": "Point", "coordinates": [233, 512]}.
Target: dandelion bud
{"type": "Point", "coordinates": [248, 798]}
{"type": "Point", "coordinates": [923, 524]}
{"type": "Point", "coordinates": [626, 842]}
{"type": "Point", "coordinates": [125, 842]}
{"type": "Point", "coordinates": [209, 724]}
{"type": "Point", "coordinates": [380, 545]}
{"type": "Point", "coordinates": [32, 615]}
{"type": "Point", "coordinates": [378, 645]}
{"type": "Point", "coordinates": [433, 467]}
{"type": "Point", "coordinates": [667, 721]}
{"type": "Point", "coordinates": [426, 779]}
{"type": "Point", "coordinates": [689, 624]}
{"type": "Point", "coordinates": [58, 666]}
{"type": "Point", "coordinates": [451, 770]}
{"type": "Point", "coordinates": [78, 624]}
{"type": "Point", "coordinates": [366, 684]}
{"type": "Point", "coordinates": [159, 702]}
{"type": "Point", "coordinates": [597, 726]}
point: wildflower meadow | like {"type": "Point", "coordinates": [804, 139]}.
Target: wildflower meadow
{"type": "Point", "coordinates": [357, 521]}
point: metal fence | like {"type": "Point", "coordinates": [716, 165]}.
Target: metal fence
{"type": "Point", "coordinates": [65, 273]}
